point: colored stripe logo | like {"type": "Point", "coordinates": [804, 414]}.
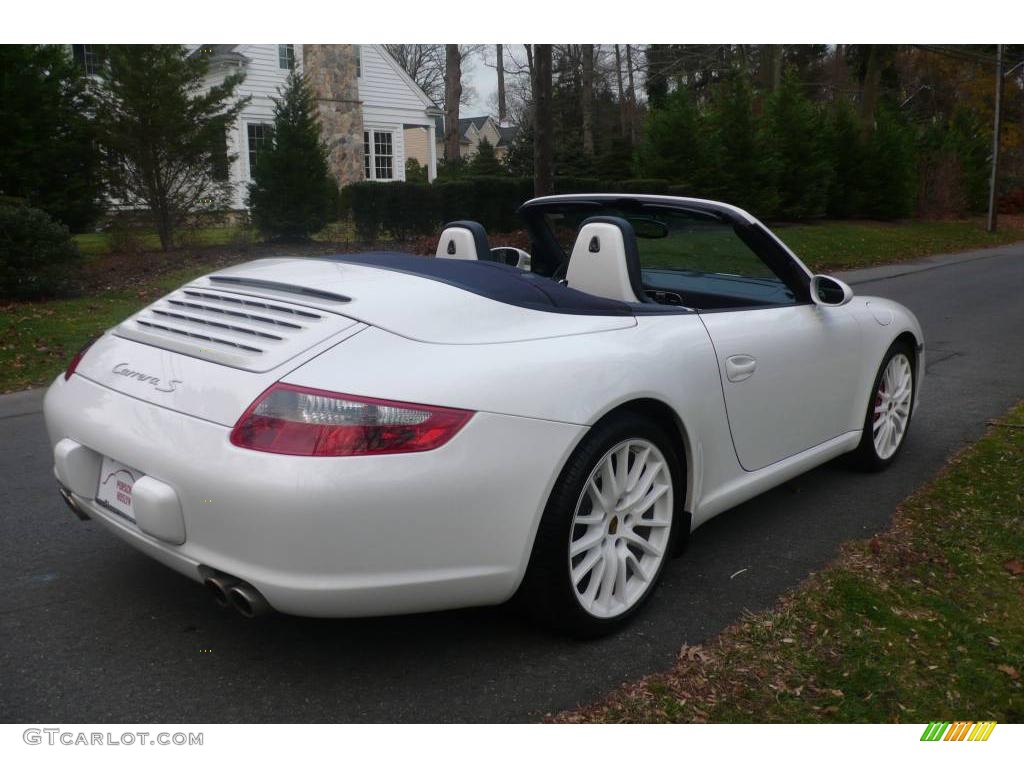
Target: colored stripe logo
{"type": "Point", "coordinates": [961, 730]}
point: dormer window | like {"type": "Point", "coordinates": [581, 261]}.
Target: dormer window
{"type": "Point", "coordinates": [286, 56]}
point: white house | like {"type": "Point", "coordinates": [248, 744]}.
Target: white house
{"type": "Point", "coordinates": [366, 104]}
{"type": "Point", "coordinates": [386, 102]}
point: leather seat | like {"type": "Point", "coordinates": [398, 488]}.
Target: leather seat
{"type": "Point", "coordinates": [464, 240]}
{"type": "Point", "coordinates": [605, 260]}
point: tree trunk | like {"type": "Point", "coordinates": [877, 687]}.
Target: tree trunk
{"type": "Point", "coordinates": [776, 67]}
{"type": "Point", "coordinates": [623, 126]}
{"type": "Point", "coordinates": [632, 95]}
{"type": "Point", "coordinates": [502, 108]}
{"type": "Point", "coordinates": [452, 96]}
{"type": "Point", "coordinates": [869, 89]}
{"type": "Point", "coordinates": [543, 145]}
{"type": "Point", "coordinates": [164, 224]}
{"type": "Point", "coordinates": [838, 67]}
{"type": "Point", "coordinates": [587, 99]}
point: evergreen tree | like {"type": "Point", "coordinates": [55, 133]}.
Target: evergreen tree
{"type": "Point", "coordinates": [616, 162]}
{"type": "Point", "coordinates": [845, 153]}
{"type": "Point", "coordinates": [163, 131]}
{"type": "Point", "coordinates": [969, 140]}
{"type": "Point", "coordinates": [732, 151]}
{"type": "Point", "coordinates": [674, 143]}
{"type": "Point", "coordinates": [47, 155]}
{"type": "Point", "coordinates": [519, 160]}
{"type": "Point", "coordinates": [888, 173]}
{"type": "Point", "coordinates": [292, 194]}
{"type": "Point", "coordinates": [485, 162]}
{"type": "Point", "coordinates": [796, 163]}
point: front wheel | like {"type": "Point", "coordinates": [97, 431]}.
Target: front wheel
{"type": "Point", "coordinates": [889, 410]}
{"type": "Point", "coordinates": [607, 530]}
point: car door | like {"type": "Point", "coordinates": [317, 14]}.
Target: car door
{"type": "Point", "coordinates": [788, 366]}
{"type": "Point", "coordinates": [789, 376]}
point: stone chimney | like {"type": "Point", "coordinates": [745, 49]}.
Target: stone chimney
{"type": "Point", "coordinates": [331, 71]}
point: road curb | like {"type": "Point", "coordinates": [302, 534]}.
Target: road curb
{"type": "Point", "coordinates": [22, 403]}
{"type": "Point", "coordinates": [889, 271]}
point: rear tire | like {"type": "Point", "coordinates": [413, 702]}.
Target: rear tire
{"type": "Point", "coordinates": [889, 410]}
{"type": "Point", "coordinates": [608, 529]}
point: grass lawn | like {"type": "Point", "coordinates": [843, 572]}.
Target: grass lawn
{"type": "Point", "coordinates": [142, 239]}
{"type": "Point", "coordinates": [37, 338]}
{"type": "Point", "coordinates": [839, 245]}
{"type": "Point", "coordinates": [922, 622]}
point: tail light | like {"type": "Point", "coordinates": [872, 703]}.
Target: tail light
{"type": "Point", "coordinates": [311, 422]}
{"type": "Point", "coordinates": [78, 357]}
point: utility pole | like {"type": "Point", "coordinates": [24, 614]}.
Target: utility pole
{"type": "Point", "coordinates": [992, 191]}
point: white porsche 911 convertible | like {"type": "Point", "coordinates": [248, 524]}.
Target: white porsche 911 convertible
{"type": "Point", "coordinates": [386, 433]}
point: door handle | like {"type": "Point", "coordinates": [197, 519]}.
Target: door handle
{"type": "Point", "coordinates": [740, 367]}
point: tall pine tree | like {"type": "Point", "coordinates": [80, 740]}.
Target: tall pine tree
{"type": "Point", "coordinates": [485, 162]}
{"type": "Point", "coordinates": [163, 131]}
{"type": "Point", "coordinates": [292, 194]}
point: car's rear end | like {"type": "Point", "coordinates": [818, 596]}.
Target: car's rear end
{"type": "Point", "coordinates": [226, 431]}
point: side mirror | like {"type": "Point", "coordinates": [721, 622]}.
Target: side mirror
{"type": "Point", "coordinates": [514, 257]}
{"type": "Point", "coordinates": [829, 292]}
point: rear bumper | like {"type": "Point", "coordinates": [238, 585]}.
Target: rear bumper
{"type": "Point", "coordinates": [350, 536]}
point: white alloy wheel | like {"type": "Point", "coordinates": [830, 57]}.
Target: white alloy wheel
{"type": "Point", "coordinates": [620, 528]}
{"type": "Point", "coordinates": [892, 406]}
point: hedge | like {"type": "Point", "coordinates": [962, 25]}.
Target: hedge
{"type": "Point", "coordinates": [402, 210]}
{"type": "Point", "coordinates": [37, 255]}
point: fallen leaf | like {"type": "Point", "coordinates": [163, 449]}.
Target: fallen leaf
{"type": "Point", "coordinates": [1006, 669]}
{"type": "Point", "coordinates": [1015, 567]}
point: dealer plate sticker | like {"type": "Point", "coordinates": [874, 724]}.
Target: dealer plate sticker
{"type": "Point", "coordinates": [115, 488]}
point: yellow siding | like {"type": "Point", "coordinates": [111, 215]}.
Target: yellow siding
{"type": "Point", "coordinates": [416, 145]}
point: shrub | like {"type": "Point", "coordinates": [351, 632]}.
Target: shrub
{"type": "Point", "coordinates": [36, 254]}
{"type": "Point", "coordinates": [407, 209]}
{"type": "Point", "coordinates": [367, 208]}
{"type": "Point", "coordinates": [415, 171]}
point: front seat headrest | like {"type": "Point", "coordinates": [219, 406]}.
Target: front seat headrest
{"type": "Point", "coordinates": [464, 240]}
{"type": "Point", "coordinates": [605, 260]}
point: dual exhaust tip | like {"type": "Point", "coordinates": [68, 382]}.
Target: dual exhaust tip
{"type": "Point", "coordinates": [229, 592]}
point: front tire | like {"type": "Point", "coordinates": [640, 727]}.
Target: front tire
{"type": "Point", "coordinates": [607, 530]}
{"type": "Point", "coordinates": [890, 407]}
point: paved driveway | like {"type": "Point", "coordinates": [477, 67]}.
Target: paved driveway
{"type": "Point", "coordinates": [90, 630]}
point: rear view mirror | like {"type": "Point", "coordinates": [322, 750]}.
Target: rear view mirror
{"type": "Point", "coordinates": [830, 292]}
{"type": "Point", "coordinates": [648, 229]}
{"type": "Point", "coordinates": [514, 257]}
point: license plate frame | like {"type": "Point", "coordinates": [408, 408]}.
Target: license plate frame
{"type": "Point", "coordinates": [114, 488]}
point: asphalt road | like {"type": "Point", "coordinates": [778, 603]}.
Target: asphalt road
{"type": "Point", "coordinates": [91, 631]}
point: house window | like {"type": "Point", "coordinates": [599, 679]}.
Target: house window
{"type": "Point", "coordinates": [359, 60]}
{"type": "Point", "coordinates": [286, 56]}
{"type": "Point", "coordinates": [383, 155]}
{"type": "Point", "coordinates": [259, 141]}
{"type": "Point", "coordinates": [367, 155]}
{"type": "Point", "coordinates": [87, 57]}
{"type": "Point", "coordinates": [378, 155]}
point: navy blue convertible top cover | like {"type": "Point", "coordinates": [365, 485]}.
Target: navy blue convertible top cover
{"type": "Point", "coordinates": [493, 280]}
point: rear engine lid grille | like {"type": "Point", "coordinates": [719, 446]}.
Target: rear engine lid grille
{"type": "Point", "coordinates": [242, 331]}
